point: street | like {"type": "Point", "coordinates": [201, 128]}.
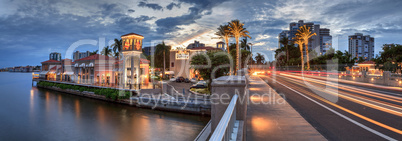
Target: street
{"type": "Point", "coordinates": [341, 111]}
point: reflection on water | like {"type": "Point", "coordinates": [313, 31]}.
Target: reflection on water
{"type": "Point", "coordinates": [39, 114]}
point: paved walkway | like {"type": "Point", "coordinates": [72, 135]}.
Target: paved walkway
{"type": "Point", "coordinates": [276, 119]}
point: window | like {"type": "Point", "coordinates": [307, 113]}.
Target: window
{"type": "Point", "coordinates": [172, 65]}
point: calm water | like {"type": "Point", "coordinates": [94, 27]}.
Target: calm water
{"type": "Point", "coordinates": [30, 113]}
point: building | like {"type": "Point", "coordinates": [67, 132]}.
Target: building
{"type": "Point", "coordinates": [220, 45]}
{"type": "Point", "coordinates": [195, 45]}
{"type": "Point", "coordinates": [361, 46]}
{"type": "Point", "coordinates": [55, 56]}
{"type": "Point", "coordinates": [95, 69]}
{"type": "Point", "coordinates": [50, 68]}
{"type": "Point", "coordinates": [320, 43]}
{"type": "Point", "coordinates": [79, 55]}
{"type": "Point", "coordinates": [67, 70]}
{"type": "Point", "coordinates": [132, 49]}
{"type": "Point", "coordinates": [180, 61]}
{"type": "Point", "coordinates": [149, 50]}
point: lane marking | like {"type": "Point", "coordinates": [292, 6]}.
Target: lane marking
{"type": "Point", "coordinates": [343, 116]}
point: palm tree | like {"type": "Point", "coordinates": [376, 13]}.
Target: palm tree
{"type": "Point", "coordinates": [106, 51]}
{"type": "Point", "coordinates": [117, 47]}
{"type": "Point", "coordinates": [305, 34]}
{"type": "Point", "coordinates": [237, 30]}
{"type": "Point", "coordinates": [93, 52]}
{"type": "Point", "coordinates": [260, 59]}
{"type": "Point", "coordinates": [285, 42]}
{"type": "Point", "coordinates": [299, 42]}
{"type": "Point", "coordinates": [224, 33]}
{"type": "Point", "coordinates": [244, 44]}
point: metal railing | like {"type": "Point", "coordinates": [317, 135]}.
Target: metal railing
{"type": "Point", "coordinates": [225, 127]}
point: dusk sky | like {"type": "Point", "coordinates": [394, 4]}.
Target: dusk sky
{"type": "Point", "coordinates": [31, 29]}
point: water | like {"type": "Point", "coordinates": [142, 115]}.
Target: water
{"type": "Point", "coordinates": [30, 113]}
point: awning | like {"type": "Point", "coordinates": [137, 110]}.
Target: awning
{"type": "Point", "coordinates": [43, 72]}
{"type": "Point", "coordinates": [58, 73]}
{"type": "Point", "coordinates": [69, 73]}
{"type": "Point", "coordinates": [76, 65]}
{"type": "Point", "coordinates": [82, 65]}
{"type": "Point", "coordinates": [91, 65]}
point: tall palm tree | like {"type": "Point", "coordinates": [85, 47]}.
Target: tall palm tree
{"type": "Point", "coordinates": [260, 59]}
{"type": "Point", "coordinates": [224, 33]}
{"type": "Point", "coordinates": [237, 30]}
{"type": "Point", "coordinates": [106, 51]}
{"type": "Point", "coordinates": [285, 42]}
{"type": "Point", "coordinates": [305, 33]}
{"type": "Point", "coordinates": [299, 42]}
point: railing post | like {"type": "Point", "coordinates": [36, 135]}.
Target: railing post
{"type": "Point", "coordinates": [222, 91]}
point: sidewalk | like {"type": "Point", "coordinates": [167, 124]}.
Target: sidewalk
{"type": "Point", "coordinates": [277, 120]}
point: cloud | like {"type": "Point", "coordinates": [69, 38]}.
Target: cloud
{"type": "Point", "coordinates": [171, 5]}
{"type": "Point", "coordinates": [153, 6]}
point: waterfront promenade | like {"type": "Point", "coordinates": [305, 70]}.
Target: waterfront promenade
{"type": "Point", "coordinates": [276, 120]}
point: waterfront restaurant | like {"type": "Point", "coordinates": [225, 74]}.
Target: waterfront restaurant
{"type": "Point", "coordinates": [49, 69]}
{"type": "Point", "coordinates": [180, 61]}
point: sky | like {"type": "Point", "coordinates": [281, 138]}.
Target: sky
{"type": "Point", "coordinates": [31, 29]}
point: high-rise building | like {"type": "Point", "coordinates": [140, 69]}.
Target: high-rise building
{"type": "Point", "coordinates": [55, 56]}
{"type": "Point", "coordinates": [79, 55]}
{"type": "Point", "coordinates": [361, 46]}
{"type": "Point", "coordinates": [321, 42]}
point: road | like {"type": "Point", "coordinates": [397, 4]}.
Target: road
{"type": "Point", "coordinates": [342, 111]}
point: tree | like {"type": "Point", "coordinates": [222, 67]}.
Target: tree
{"type": "Point", "coordinates": [237, 30]}
{"type": "Point", "coordinates": [216, 69]}
{"type": "Point", "coordinates": [244, 44]}
{"type": "Point", "coordinates": [94, 52]}
{"type": "Point", "coordinates": [360, 60]}
{"type": "Point", "coordinates": [304, 33]}
{"type": "Point", "coordinates": [285, 42]}
{"type": "Point", "coordinates": [299, 42]}
{"type": "Point", "coordinates": [260, 59]}
{"type": "Point", "coordinates": [224, 33]}
{"type": "Point", "coordinates": [162, 56]}
{"type": "Point", "coordinates": [117, 47]}
{"type": "Point", "coordinates": [106, 51]}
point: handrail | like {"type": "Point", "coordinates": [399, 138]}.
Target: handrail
{"type": "Point", "coordinates": [225, 126]}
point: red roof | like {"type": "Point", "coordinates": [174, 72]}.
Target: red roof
{"type": "Point", "coordinates": [51, 61]}
{"type": "Point", "coordinates": [94, 57]}
{"type": "Point", "coordinates": [132, 34]}
{"type": "Point", "coordinates": [368, 62]}
{"type": "Point", "coordinates": [205, 48]}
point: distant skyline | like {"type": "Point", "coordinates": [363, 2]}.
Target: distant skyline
{"type": "Point", "coordinates": [31, 29]}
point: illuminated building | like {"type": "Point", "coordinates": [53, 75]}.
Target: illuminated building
{"type": "Point", "coordinates": [132, 49]}
{"type": "Point", "coordinates": [180, 61]}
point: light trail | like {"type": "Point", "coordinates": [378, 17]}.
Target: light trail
{"type": "Point", "coordinates": [362, 101]}
{"type": "Point", "coordinates": [350, 112]}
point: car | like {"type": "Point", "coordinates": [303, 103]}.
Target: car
{"type": "Point", "coordinates": [172, 79]}
{"type": "Point", "coordinates": [180, 79]}
{"type": "Point", "coordinates": [198, 86]}
{"type": "Point", "coordinates": [202, 82]}
{"type": "Point", "coordinates": [193, 80]}
{"type": "Point", "coordinates": [187, 80]}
